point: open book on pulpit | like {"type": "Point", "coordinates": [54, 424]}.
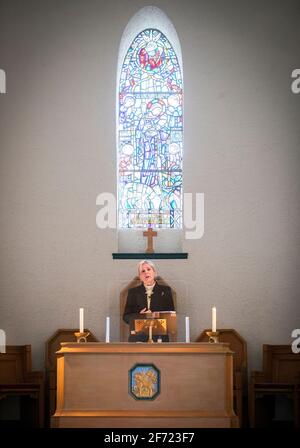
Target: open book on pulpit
{"type": "Point", "coordinates": [156, 326]}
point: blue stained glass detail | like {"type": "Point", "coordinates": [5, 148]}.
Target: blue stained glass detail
{"type": "Point", "coordinates": [150, 134]}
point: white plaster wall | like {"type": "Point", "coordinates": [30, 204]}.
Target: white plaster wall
{"type": "Point", "coordinates": [57, 142]}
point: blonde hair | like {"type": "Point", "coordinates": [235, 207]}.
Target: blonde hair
{"type": "Point", "coordinates": [150, 263]}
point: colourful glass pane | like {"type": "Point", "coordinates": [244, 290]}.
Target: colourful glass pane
{"type": "Point", "coordinates": [150, 134]}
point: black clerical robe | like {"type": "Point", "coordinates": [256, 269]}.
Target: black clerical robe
{"type": "Point", "coordinates": [161, 300]}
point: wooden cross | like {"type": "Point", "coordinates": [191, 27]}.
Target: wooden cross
{"type": "Point", "coordinates": [150, 234]}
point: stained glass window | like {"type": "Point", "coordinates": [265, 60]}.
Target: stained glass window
{"type": "Point", "coordinates": [150, 134]}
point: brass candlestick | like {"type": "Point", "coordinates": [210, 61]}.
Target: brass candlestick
{"type": "Point", "coordinates": [81, 337]}
{"type": "Point", "coordinates": [213, 337]}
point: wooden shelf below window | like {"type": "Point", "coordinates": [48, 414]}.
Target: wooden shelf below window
{"type": "Point", "coordinates": [145, 256]}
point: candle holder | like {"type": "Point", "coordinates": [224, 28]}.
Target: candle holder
{"type": "Point", "coordinates": [81, 337]}
{"type": "Point", "coordinates": [213, 337]}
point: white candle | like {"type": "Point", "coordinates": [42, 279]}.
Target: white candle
{"type": "Point", "coordinates": [187, 329]}
{"type": "Point", "coordinates": [107, 329]}
{"type": "Point", "coordinates": [214, 319]}
{"type": "Point", "coordinates": [81, 326]}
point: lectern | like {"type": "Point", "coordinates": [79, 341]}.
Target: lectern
{"type": "Point", "coordinates": [156, 326]}
{"type": "Point", "coordinates": [144, 385]}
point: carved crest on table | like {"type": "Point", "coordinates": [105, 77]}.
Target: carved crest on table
{"type": "Point", "coordinates": [144, 381]}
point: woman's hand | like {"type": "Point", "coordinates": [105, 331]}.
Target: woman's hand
{"type": "Point", "coordinates": [144, 311]}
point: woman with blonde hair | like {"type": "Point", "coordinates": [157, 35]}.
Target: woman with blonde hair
{"type": "Point", "coordinates": [149, 296]}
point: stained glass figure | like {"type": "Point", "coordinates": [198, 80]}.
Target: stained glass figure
{"type": "Point", "coordinates": [150, 134]}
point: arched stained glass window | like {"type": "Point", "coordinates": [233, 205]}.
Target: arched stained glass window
{"type": "Point", "coordinates": [150, 134]}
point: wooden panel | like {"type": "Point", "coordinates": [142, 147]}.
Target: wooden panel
{"type": "Point", "coordinates": [52, 379]}
{"type": "Point", "coordinates": [93, 385]}
{"type": "Point", "coordinates": [11, 370]}
{"type": "Point", "coordinates": [280, 376]}
{"type": "Point", "coordinates": [240, 377]}
{"type": "Point", "coordinates": [111, 392]}
{"type": "Point", "coordinates": [15, 364]}
{"type": "Point", "coordinates": [145, 422]}
{"type": "Point", "coordinates": [237, 344]}
{"type": "Point", "coordinates": [17, 379]}
{"type": "Point", "coordinates": [51, 346]}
